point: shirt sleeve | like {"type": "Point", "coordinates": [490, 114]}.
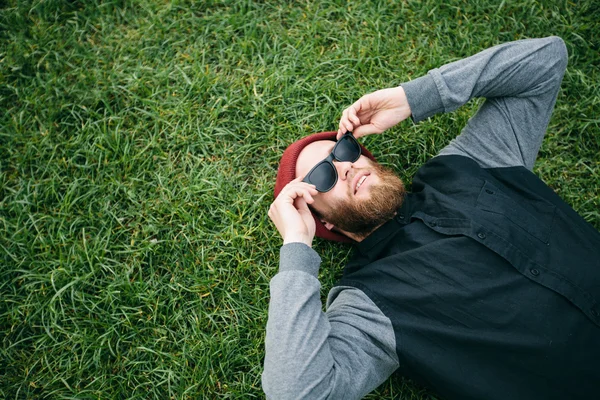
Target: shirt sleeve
{"type": "Point", "coordinates": [342, 353]}
{"type": "Point", "coordinates": [520, 82]}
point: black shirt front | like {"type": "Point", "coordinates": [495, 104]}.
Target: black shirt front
{"type": "Point", "coordinates": [491, 282]}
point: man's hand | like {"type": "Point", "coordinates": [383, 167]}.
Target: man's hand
{"type": "Point", "coordinates": [375, 112]}
{"type": "Point", "coordinates": [291, 215]}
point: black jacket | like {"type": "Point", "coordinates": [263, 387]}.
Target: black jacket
{"type": "Point", "coordinates": [486, 274]}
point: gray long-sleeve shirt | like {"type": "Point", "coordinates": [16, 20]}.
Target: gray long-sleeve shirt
{"type": "Point", "coordinates": [349, 350]}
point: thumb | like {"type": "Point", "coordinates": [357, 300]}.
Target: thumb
{"type": "Point", "coordinates": [364, 130]}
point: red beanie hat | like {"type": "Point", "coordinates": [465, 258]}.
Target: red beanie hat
{"type": "Point", "coordinates": [287, 172]}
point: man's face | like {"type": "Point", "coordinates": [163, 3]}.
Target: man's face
{"type": "Point", "coordinates": [365, 195]}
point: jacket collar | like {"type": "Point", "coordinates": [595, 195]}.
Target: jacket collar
{"type": "Point", "coordinates": [386, 231]}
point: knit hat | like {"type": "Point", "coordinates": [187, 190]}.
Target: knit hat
{"type": "Point", "coordinates": [287, 172]}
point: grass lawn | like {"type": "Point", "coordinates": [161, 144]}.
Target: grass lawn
{"type": "Point", "coordinates": [139, 142]}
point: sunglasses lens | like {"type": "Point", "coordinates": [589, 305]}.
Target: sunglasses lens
{"type": "Point", "coordinates": [323, 177]}
{"type": "Point", "coordinates": [347, 149]}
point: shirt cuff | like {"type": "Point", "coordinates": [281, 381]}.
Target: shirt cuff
{"type": "Point", "coordinates": [299, 257]}
{"type": "Point", "coordinates": [423, 98]}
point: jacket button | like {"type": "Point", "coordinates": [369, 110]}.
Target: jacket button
{"type": "Point", "coordinates": [481, 235]}
{"type": "Point", "coordinates": [534, 271]}
{"type": "Point", "coordinates": [488, 191]}
{"type": "Point", "coordinates": [432, 223]}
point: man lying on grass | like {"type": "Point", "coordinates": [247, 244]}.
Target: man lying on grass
{"type": "Point", "coordinates": [481, 283]}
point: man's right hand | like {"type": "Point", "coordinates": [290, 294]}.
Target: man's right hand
{"type": "Point", "coordinates": [375, 112]}
{"type": "Point", "coordinates": [291, 215]}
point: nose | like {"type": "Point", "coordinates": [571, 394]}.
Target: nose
{"type": "Point", "coordinates": [343, 168]}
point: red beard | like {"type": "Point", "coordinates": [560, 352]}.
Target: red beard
{"type": "Point", "coordinates": [364, 216]}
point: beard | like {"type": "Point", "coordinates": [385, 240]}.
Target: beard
{"type": "Point", "coordinates": [363, 217]}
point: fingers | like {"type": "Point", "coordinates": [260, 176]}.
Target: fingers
{"type": "Point", "coordinates": [295, 189]}
{"type": "Point", "coordinates": [350, 120]}
{"type": "Point", "coordinates": [345, 124]}
{"type": "Point", "coordinates": [296, 192]}
{"type": "Point", "coordinates": [364, 130]}
{"type": "Point", "coordinates": [375, 112]}
{"type": "Point", "coordinates": [353, 117]}
{"type": "Point", "coordinates": [290, 213]}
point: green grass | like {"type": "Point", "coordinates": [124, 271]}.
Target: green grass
{"type": "Point", "coordinates": [139, 144]}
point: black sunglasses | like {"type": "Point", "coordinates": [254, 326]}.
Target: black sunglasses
{"type": "Point", "coordinates": [324, 175]}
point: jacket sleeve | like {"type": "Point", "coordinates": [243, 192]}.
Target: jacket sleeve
{"type": "Point", "coordinates": [520, 81]}
{"type": "Point", "coordinates": [343, 353]}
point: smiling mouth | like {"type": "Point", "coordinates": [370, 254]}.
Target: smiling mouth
{"type": "Point", "coordinates": [360, 182]}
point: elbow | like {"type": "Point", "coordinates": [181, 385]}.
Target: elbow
{"type": "Point", "coordinates": [559, 53]}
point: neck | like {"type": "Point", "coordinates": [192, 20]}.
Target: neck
{"type": "Point", "coordinates": [359, 238]}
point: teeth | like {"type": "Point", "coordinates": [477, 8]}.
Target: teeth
{"type": "Point", "coordinates": [360, 182]}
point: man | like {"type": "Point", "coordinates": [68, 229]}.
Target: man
{"type": "Point", "coordinates": [480, 284]}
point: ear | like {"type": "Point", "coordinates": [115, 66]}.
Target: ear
{"type": "Point", "coordinates": [328, 225]}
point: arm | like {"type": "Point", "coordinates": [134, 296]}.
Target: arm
{"type": "Point", "coordinates": [520, 81]}
{"type": "Point", "coordinates": [341, 354]}
{"type": "Point", "coordinates": [344, 353]}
